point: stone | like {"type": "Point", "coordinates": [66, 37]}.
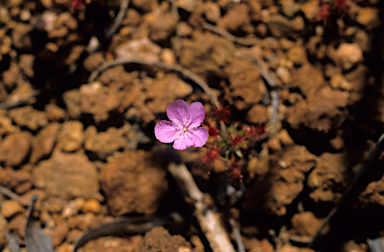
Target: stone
{"type": "Point", "coordinates": [297, 55]}
{"type": "Point", "coordinates": [206, 54]}
{"type": "Point", "coordinates": [72, 99]}
{"type": "Point", "coordinates": [369, 17]}
{"type": "Point", "coordinates": [59, 234]}
{"type": "Point", "coordinates": [18, 223]}
{"type": "Point", "coordinates": [15, 148]}
{"type": "Point", "coordinates": [188, 5]}
{"type": "Point", "coordinates": [104, 144]}
{"type": "Point", "coordinates": [10, 208]}
{"type": "Point", "coordinates": [93, 61]}
{"type": "Point", "coordinates": [309, 79]}
{"type": "Point", "coordinates": [72, 208]}
{"type": "Point", "coordinates": [99, 100]}
{"type": "Point", "coordinates": [328, 179]}
{"type": "Point", "coordinates": [237, 18]}
{"type": "Point", "coordinates": [289, 7]}
{"type": "Point", "coordinates": [305, 224]}
{"type": "Point", "coordinates": [134, 182]}
{"type": "Point", "coordinates": [257, 114]}
{"type": "Point", "coordinates": [26, 64]}
{"type": "Point", "coordinates": [63, 169]}
{"type": "Point", "coordinates": [245, 82]}
{"type": "Point", "coordinates": [42, 144]}
{"type": "Point", "coordinates": [212, 11]}
{"type": "Point", "coordinates": [71, 136]}
{"type": "Point", "coordinates": [143, 49]}
{"type": "Point", "coordinates": [347, 55]}
{"type": "Point", "coordinates": [161, 25]}
{"type": "Point", "coordinates": [92, 206]}
{"type": "Point", "coordinates": [11, 178]}
{"type": "Point", "coordinates": [159, 239]}
{"type": "Point", "coordinates": [283, 173]}
{"type": "Point", "coordinates": [54, 112]}
{"type": "Point", "coordinates": [311, 10]}
{"type": "Point", "coordinates": [21, 38]}
{"type": "Point", "coordinates": [284, 75]}
{"type": "Point", "coordinates": [338, 81]}
{"type": "Point", "coordinates": [29, 117]}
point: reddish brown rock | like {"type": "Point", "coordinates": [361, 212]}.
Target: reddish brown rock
{"type": "Point", "coordinates": [257, 114]}
{"type": "Point", "coordinates": [98, 100]}
{"type": "Point", "coordinates": [159, 239]}
{"type": "Point", "coordinates": [161, 25]}
{"type": "Point", "coordinates": [236, 19]}
{"type": "Point", "coordinates": [104, 144]}
{"type": "Point", "coordinates": [18, 223]}
{"type": "Point", "coordinates": [305, 224]}
{"type": "Point", "coordinates": [373, 193]}
{"type": "Point", "coordinates": [133, 183]}
{"type": "Point", "coordinates": [54, 112]}
{"type": "Point", "coordinates": [71, 136]}
{"type": "Point", "coordinates": [59, 234]}
{"type": "Point", "coordinates": [44, 141]}
{"type": "Point", "coordinates": [245, 83]}
{"type": "Point", "coordinates": [143, 49]}
{"type": "Point", "coordinates": [206, 54]}
{"type": "Point", "coordinates": [320, 112]}
{"type": "Point", "coordinates": [67, 175]}
{"type": "Point", "coordinates": [283, 173]}
{"type": "Point", "coordinates": [21, 36]}
{"type": "Point", "coordinates": [328, 179]}
{"type": "Point", "coordinates": [309, 79]}
{"type": "Point", "coordinates": [10, 208]}
{"type": "Point", "coordinates": [93, 61]}
{"type": "Point", "coordinates": [29, 117]}
{"type": "Point", "coordinates": [15, 148]}
{"type": "Point", "coordinates": [11, 178]}
{"type": "Point", "coordinates": [72, 99]}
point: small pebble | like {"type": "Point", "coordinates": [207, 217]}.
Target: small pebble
{"type": "Point", "coordinates": [92, 206]}
{"type": "Point", "coordinates": [10, 207]}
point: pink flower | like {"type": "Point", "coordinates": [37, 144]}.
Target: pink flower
{"type": "Point", "coordinates": [184, 130]}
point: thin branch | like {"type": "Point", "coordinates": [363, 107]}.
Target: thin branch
{"type": "Point", "coordinates": [209, 221]}
{"type": "Point", "coordinates": [183, 71]}
{"type": "Point", "coordinates": [119, 17]}
{"type": "Point", "coordinates": [271, 82]}
{"type": "Point", "coordinates": [236, 231]}
{"type": "Point", "coordinates": [5, 191]}
{"type": "Point", "coordinates": [229, 36]}
{"type": "Point", "coordinates": [8, 105]}
{"type": "Point", "coordinates": [360, 169]}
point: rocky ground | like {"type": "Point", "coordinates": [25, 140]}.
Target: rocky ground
{"type": "Point", "coordinates": [299, 87]}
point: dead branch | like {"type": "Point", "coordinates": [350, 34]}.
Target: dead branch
{"type": "Point", "coordinates": [229, 36]}
{"type": "Point", "coordinates": [209, 221]}
{"type": "Point", "coordinates": [119, 17]}
{"type": "Point", "coordinates": [183, 71]}
{"type": "Point", "coordinates": [5, 191]}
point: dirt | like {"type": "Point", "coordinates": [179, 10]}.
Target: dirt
{"type": "Point", "coordinates": [87, 147]}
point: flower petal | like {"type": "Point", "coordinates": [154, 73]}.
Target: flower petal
{"type": "Point", "coordinates": [199, 136]}
{"type": "Point", "coordinates": [197, 112]}
{"type": "Point", "coordinates": [178, 111]}
{"type": "Point", "coordinates": [183, 142]}
{"type": "Point", "coordinates": [166, 131]}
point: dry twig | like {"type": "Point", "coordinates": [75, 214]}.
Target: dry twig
{"type": "Point", "coordinates": [208, 220]}
{"type": "Point", "coordinates": [119, 17]}
{"type": "Point", "coordinates": [271, 82]}
{"type": "Point", "coordinates": [179, 69]}
{"type": "Point", "coordinates": [229, 36]}
{"type": "Point", "coordinates": [5, 191]}
{"type": "Point", "coordinates": [360, 169]}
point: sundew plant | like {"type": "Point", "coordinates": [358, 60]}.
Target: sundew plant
{"type": "Point", "coordinates": [226, 143]}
